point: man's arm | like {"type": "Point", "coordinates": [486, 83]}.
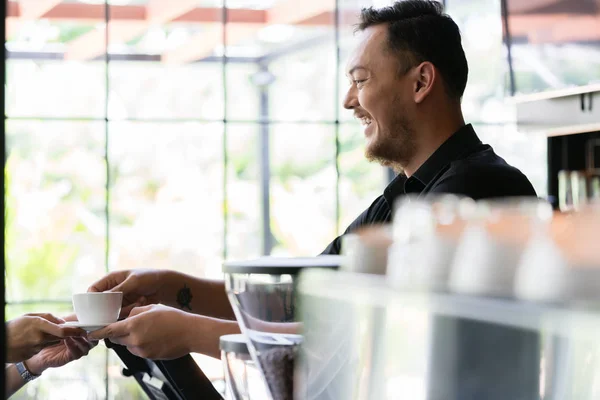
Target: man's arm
{"type": "Point", "coordinates": [161, 333]}
{"type": "Point", "coordinates": [197, 295]}
{"type": "Point", "coordinates": [141, 287]}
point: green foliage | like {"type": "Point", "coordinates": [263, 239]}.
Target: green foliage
{"type": "Point", "coordinates": [287, 170]}
{"type": "Point", "coordinates": [241, 166]}
{"type": "Point", "coordinates": [71, 32]}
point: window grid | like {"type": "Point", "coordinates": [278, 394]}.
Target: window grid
{"type": "Point", "coordinates": [264, 122]}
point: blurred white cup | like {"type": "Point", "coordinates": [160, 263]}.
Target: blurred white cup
{"type": "Point", "coordinates": [493, 242]}
{"type": "Point", "coordinates": [426, 234]}
{"type": "Point", "coordinates": [562, 265]}
{"type": "Point", "coordinates": [366, 250]}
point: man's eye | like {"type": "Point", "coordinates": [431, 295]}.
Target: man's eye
{"type": "Point", "coordinates": [359, 81]}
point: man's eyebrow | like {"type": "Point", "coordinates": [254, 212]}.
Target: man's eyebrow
{"type": "Point", "coordinates": [355, 68]}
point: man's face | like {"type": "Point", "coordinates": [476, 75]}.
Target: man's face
{"type": "Point", "coordinates": [381, 99]}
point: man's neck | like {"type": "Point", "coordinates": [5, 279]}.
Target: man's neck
{"type": "Point", "coordinates": [432, 135]}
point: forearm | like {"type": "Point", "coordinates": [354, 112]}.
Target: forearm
{"type": "Point", "coordinates": [196, 295]}
{"type": "Point", "coordinates": [204, 333]}
{"type": "Point", "coordinates": [14, 382]}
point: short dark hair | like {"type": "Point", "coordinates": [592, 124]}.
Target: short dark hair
{"type": "Point", "coordinates": [418, 31]}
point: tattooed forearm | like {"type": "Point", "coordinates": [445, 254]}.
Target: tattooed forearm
{"type": "Point", "coordinates": [184, 298]}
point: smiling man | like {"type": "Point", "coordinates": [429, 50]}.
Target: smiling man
{"type": "Point", "coordinates": [407, 77]}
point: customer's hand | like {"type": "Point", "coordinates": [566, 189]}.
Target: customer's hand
{"type": "Point", "coordinates": [29, 334]}
{"type": "Point", "coordinates": [69, 349]}
{"type": "Point", "coordinates": [156, 332]}
{"type": "Point", "coordinates": [139, 287]}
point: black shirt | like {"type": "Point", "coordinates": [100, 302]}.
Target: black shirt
{"type": "Point", "coordinates": [461, 165]}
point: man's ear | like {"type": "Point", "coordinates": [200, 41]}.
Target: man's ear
{"type": "Point", "coordinates": [425, 77]}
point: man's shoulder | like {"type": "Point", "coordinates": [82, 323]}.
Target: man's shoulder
{"type": "Point", "coordinates": [378, 212]}
{"type": "Point", "coordinates": [484, 174]}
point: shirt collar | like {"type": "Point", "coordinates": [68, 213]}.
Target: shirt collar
{"type": "Point", "coordinates": [452, 149]}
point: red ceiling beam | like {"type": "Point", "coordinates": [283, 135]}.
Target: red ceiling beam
{"type": "Point", "coordinates": [93, 43]}
{"type": "Point", "coordinates": [293, 11]}
{"type": "Point", "coordinates": [287, 12]}
{"type": "Point", "coordinates": [161, 11]}
{"type": "Point", "coordinates": [521, 7]}
{"type": "Point", "coordinates": [34, 9]}
{"type": "Point", "coordinates": [95, 13]}
{"type": "Point", "coordinates": [538, 26]}
{"type": "Point", "coordinates": [158, 12]}
{"type": "Point", "coordinates": [573, 29]}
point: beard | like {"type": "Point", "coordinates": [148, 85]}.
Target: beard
{"type": "Point", "coordinates": [393, 147]}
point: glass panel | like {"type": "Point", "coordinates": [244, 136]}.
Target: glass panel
{"type": "Point", "coordinates": [525, 151]}
{"type": "Point", "coordinates": [167, 196]}
{"type": "Point", "coordinates": [151, 90]}
{"type": "Point", "coordinates": [303, 88]}
{"type": "Point", "coordinates": [57, 308]}
{"type": "Point", "coordinates": [244, 217]}
{"type": "Point", "coordinates": [244, 83]}
{"type": "Point", "coordinates": [294, 44]}
{"type": "Point", "coordinates": [163, 64]}
{"type": "Point", "coordinates": [81, 379]}
{"type": "Point", "coordinates": [288, 25]}
{"type": "Point", "coordinates": [45, 76]}
{"type": "Point", "coordinates": [555, 44]}
{"type": "Point", "coordinates": [480, 24]}
{"type": "Point", "coordinates": [303, 180]}
{"type": "Point", "coordinates": [361, 181]}
{"type": "Point", "coordinates": [55, 199]}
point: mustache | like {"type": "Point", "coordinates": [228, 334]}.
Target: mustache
{"type": "Point", "coordinates": [360, 115]}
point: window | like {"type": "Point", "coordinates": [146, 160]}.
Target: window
{"type": "Point", "coordinates": [484, 102]}
{"type": "Point", "coordinates": [171, 135]}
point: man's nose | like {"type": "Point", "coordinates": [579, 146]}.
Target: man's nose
{"type": "Point", "coordinates": [351, 99]}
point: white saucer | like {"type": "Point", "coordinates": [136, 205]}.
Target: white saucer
{"type": "Point", "coordinates": [87, 327]}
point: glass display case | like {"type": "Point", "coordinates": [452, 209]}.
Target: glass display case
{"type": "Point", "coordinates": [364, 339]}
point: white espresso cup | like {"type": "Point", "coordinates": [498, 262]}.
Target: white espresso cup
{"type": "Point", "coordinates": [97, 308]}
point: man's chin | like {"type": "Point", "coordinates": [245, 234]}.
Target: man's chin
{"type": "Point", "coordinates": [372, 157]}
{"type": "Point", "coordinates": [383, 161]}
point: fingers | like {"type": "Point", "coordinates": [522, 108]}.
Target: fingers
{"type": "Point", "coordinates": [123, 341]}
{"type": "Point", "coordinates": [139, 310]}
{"type": "Point", "coordinates": [109, 282]}
{"type": "Point", "coordinates": [52, 330]}
{"type": "Point", "coordinates": [78, 347]}
{"type": "Point", "coordinates": [126, 311]}
{"type": "Point", "coordinates": [116, 330]}
{"type": "Point", "coordinates": [47, 317]}
{"type": "Point", "coordinates": [74, 350]}
{"type": "Point", "coordinates": [136, 351]}
{"type": "Point", "coordinates": [70, 317]}
{"type": "Point", "coordinates": [46, 344]}
{"type": "Point", "coordinates": [49, 332]}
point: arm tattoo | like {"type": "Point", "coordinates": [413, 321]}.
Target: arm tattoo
{"type": "Point", "coordinates": [184, 297]}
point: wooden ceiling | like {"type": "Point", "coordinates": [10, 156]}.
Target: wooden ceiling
{"type": "Point", "coordinates": [130, 21]}
{"type": "Point", "coordinates": [538, 21]}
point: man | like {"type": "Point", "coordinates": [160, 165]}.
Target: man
{"type": "Point", "coordinates": [407, 77]}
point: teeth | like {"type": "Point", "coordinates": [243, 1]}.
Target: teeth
{"type": "Point", "coordinates": [365, 121]}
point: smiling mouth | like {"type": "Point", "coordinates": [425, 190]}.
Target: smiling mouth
{"type": "Point", "coordinates": [365, 121]}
